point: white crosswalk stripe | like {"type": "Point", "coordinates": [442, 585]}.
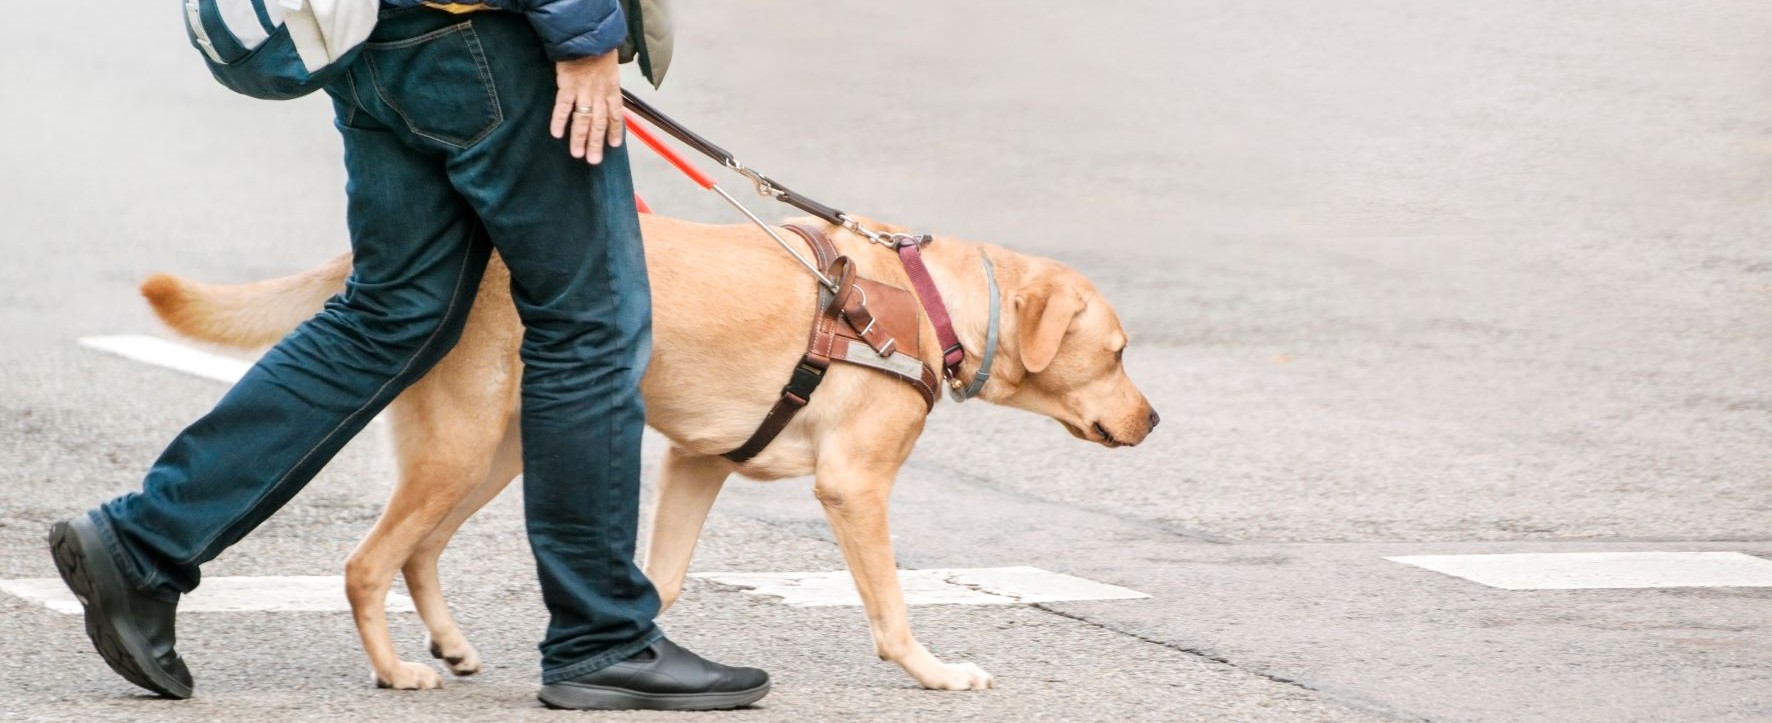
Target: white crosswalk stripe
{"type": "Point", "coordinates": [1598, 570]}
{"type": "Point", "coordinates": [974, 586]}
{"type": "Point", "coordinates": [271, 593]}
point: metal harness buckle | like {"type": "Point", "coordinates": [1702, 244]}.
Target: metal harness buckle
{"type": "Point", "coordinates": [901, 240]}
{"type": "Point", "coordinates": [806, 378]}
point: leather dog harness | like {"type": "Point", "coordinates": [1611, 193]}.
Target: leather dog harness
{"type": "Point", "coordinates": [864, 322]}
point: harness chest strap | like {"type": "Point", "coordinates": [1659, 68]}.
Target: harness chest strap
{"type": "Point", "coordinates": [910, 253]}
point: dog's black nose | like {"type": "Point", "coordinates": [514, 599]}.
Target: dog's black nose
{"type": "Point", "coordinates": [1155, 419]}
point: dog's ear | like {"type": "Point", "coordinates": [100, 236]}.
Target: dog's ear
{"type": "Point", "coordinates": [1044, 311]}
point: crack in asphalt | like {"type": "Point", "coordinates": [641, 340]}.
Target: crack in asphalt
{"type": "Point", "coordinates": [1350, 699]}
{"type": "Point", "coordinates": [986, 483]}
{"type": "Point", "coordinates": [975, 587]}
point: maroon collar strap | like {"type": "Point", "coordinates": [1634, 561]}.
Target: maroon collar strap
{"type": "Point", "coordinates": [910, 253]}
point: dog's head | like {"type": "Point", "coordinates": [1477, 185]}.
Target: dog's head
{"type": "Point", "coordinates": [1061, 348]}
{"type": "Point", "coordinates": [1064, 345]}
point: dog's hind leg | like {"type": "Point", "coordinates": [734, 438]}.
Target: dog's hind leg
{"type": "Point", "coordinates": [854, 489]}
{"type": "Point", "coordinates": [687, 486]}
{"type": "Point", "coordinates": [443, 636]}
{"type": "Point", "coordinates": [443, 456]}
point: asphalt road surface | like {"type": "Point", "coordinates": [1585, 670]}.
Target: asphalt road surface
{"type": "Point", "coordinates": [1403, 277]}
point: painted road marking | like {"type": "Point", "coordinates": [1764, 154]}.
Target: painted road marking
{"type": "Point", "coordinates": [171, 355]}
{"type": "Point", "coordinates": [975, 586]}
{"type": "Point", "coordinates": [313, 593]}
{"type": "Point", "coordinates": [1597, 570]}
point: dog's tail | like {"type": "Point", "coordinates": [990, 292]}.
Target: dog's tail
{"type": "Point", "coordinates": [245, 316]}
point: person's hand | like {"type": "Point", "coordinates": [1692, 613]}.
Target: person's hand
{"type": "Point", "coordinates": [590, 98]}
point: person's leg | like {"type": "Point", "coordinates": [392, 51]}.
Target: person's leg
{"type": "Point", "coordinates": [570, 235]}
{"type": "Point", "coordinates": [587, 339]}
{"type": "Point", "coordinates": [419, 255]}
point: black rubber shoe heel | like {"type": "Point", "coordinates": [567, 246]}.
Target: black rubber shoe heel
{"type": "Point", "coordinates": [83, 563]}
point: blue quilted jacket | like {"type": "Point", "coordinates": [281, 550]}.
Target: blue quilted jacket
{"type": "Point", "coordinates": [569, 28]}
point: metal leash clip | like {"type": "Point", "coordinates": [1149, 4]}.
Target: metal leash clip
{"type": "Point", "coordinates": [764, 186]}
{"type": "Point", "coordinates": [867, 233]}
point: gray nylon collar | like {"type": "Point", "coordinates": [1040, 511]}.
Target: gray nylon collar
{"type": "Point", "coordinates": [990, 342]}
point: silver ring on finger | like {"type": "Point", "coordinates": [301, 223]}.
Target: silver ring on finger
{"type": "Point", "coordinates": [582, 110]}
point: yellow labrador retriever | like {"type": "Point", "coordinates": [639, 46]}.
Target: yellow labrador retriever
{"type": "Point", "coordinates": [730, 319]}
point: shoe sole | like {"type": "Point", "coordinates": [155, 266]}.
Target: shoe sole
{"type": "Point", "coordinates": [125, 654]}
{"type": "Point", "coordinates": [593, 697]}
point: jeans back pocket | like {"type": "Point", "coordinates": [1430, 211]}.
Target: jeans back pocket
{"type": "Point", "coordinates": [438, 83]}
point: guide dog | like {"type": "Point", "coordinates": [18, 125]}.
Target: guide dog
{"type": "Point", "coordinates": [730, 318]}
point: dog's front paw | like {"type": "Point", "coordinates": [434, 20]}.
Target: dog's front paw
{"type": "Point", "coordinates": [409, 676]}
{"type": "Point", "coordinates": [957, 676]}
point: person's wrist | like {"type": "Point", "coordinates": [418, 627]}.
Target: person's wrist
{"type": "Point", "coordinates": [588, 60]}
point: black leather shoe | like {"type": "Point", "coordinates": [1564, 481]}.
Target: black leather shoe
{"type": "Point", "coordinates": [661, 677]}
{"type": "Point", "coordinates": [132, 630]}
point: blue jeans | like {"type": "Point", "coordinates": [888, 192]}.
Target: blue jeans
{"type": "Point", "coordinates": [445, 124]}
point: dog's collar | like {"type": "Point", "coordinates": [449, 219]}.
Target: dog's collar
{"type": "Point", "coordinates": [989, 354]}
